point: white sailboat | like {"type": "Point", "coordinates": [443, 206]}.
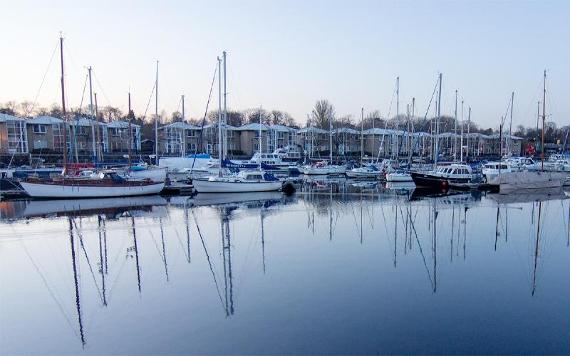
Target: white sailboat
{"type": "Point", "coordinates": [324, 168]}
{"type": "Point", "coordinates": [364, 171]}
{"type": "Point", "coordinates": [245, 181]}
{"type": "Point", "coordinates": [529, 180]}
{"type": "Point", "coordinates": [101, 184]}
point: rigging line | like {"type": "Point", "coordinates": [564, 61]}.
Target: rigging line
{"type": "Point", "coordinates": [51, 292]}
{"type": "Point", "coordinates": [208, 258]}
{"type": "Point", "coordinates": [431, 100]}
{"type": "Point", "coordinates": [200, 138]}
{"type": "Point", "coordinates": [83, 94]}
{"type": "Point", "coordinates": [149, 99]}
{"type": "Point", "coordinates": [43, 80]}
{"type": "Point", "coordinates": [101, 87]}
{"type": "Point", "coordinates": [80, 235]}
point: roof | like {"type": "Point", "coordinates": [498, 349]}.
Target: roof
{"type": "Point", "coordinates": [121, 124]}
{"type": "Point", "coordinates": [6, 117]}
{"type": "Point", "coordinates": [347, 130]}
{"type": "Point", "coordinates": [313, 130]}
{"type": "Point", "coordinates": [282, 128]}
{"type": "Point", "coordinates": [506, 136]}
{"type": "Point", "coordinates": [254, 126]}
{"type": "Point", "coordinates": [225, 126]}
{"type": "Point", "coordinates": [45, 120]}
{"type": "Point", "coordinates": [181, 125]}
{"type": "Point", "coordinates": [379, 131]}
{"type": "Point", "coordinates": [83, 121]}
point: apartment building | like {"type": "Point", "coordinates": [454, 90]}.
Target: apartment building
{"type": "Point", "coordinates": [13, 135]}
{"type": "Point", "coordinates": [45, 134]}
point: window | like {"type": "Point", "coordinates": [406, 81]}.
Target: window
{"type": "Point", "coordinates": [17, 140]}
{"type": "Point", "coordinates": [39, 129]}
{"type": "Point", "coordinates": [191, 133]}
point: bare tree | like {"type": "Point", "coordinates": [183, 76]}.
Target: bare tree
{"type": "Point", "coordinates": [322, 113]}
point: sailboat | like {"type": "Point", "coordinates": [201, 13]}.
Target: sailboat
{"type": "Point", "coordinates": [97, 185]}
{"type": "Point", "coordinates": [364, 171]}
{"type": "Point", "coordinates": [244, 181]}
{"type": "Point", "coordinates": [527, 180]}
{"type": "Point", "coordinates": [441, 177]}
{"type": "Point", "coordinates": [324, 168]}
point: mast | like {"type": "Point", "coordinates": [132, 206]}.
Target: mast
{"type": "Point", "coordinates": [97, 135]}
{"type": "Point", "coordinates": [225, 146]}
{"type": "Point", "coordinates": [92, 118]}
{"type": "Point", "coordinates": [330, 139]}
{"type": "Point", "coordinates": [543, 121]}
{"type": "Point", "coordinates": [537, 117]}
{"type": "Point", "coordinates": [455, 130]}
{"type": "Point", "coordinates": [63, 111]}
{"type": "Point", "coordinates": [183, 150]}
{"type": "Point", "coordinates": [461, 141]}
{"type": "Point", "coordinates": [510, 140]}
{"type": "Point", "coordinates": [220, 154]}
{"type": "Point", "coordinates": [437, 122]}
{"type": "Point", "coordinates": [468, 131]}
{"type": "Point", "coordinates": [130, 115]}
{"type": "Point", "coordinates": [397, 114]}
{"type": "Point", "coordinates": [156, 116]}
{"type": "Point", "coordinates": [260, 139]}
{"type": "Point", "coordinates": [361, 135]}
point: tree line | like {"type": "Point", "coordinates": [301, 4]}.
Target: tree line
{"type": "Point", "coordinates": [322, 115]}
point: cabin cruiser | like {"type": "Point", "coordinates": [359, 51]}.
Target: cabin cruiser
{"type": "Point", "coordinates": [444, 176]}
{"type": "Point", "coordinates": [528, 180]}
{"type": "Point", "coordinates": [272, 161]}
{"type": "Point", "coordinates": [491, 170]}
{"type": "Point", "coordinates": [288, 154]}
{"type": "Point", "coordinates": [322, 168]}
{"type": "Point", "coordinates": [244, 181]}
{"type": "Point", "coordinates": [369, 171]}
{"type": "Point", "coordinates": [399, 177]}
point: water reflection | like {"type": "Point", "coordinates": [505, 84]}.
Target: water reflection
{"type": "Point", "coordinates": [331, 232]}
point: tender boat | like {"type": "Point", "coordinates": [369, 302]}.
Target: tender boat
{"type": "Point", "coordinates": [244, 181]}
{"type": "Point", "coordinates": [97, 185]}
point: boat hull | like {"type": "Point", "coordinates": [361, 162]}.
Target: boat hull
{"type": "Point", "coordinates": [399, 177]}
{"type": "Point", "coordinates": [213, 186]}
{"type": "Point", "coordinates": [69, 190]}
{"type": "Point", "coordinates": [327, 170]}
{"type": "Point", "coordinates": [529, 180]}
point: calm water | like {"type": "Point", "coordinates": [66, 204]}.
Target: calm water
{"type": "Point", "coordinates": [339, 269]}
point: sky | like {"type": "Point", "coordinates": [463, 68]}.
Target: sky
{"type": "Point", "coordinates": [287, 54]}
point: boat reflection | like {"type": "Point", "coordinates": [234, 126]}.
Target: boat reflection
{"type": "Point", "coordinates": [21, 209]}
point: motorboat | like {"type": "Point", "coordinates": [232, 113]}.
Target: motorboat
{"type": "Point", "coordinates": [143, 172]}
{"type": "Point", "coordinates": [322, 168]}
{"type": "Point", "coordinates": [442, 176]}
{"type": "Point", "coordinates": [244, 181]}
{"type": "Point", "coordinates": [491, 170]}
{"type": "Point", "coordinates": [399, 177]}
{"type": "Point", "coordinates": [92, 185]}
{"type": "Point", "coordinates": [528, 180]}
{"type": "Point", "coordinates": [369, 172]}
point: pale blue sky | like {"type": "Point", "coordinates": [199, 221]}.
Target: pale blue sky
{"type": "Point", "coordinates": [288, 54]}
